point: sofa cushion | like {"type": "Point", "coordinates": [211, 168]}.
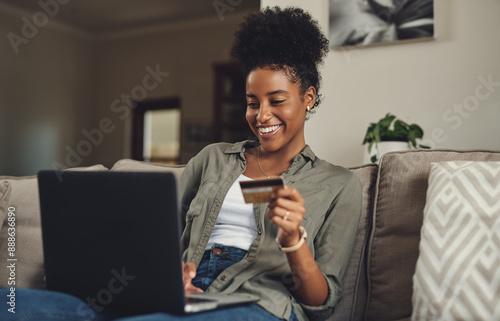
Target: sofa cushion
{"type": "Point", "coordinates": [130, 165]}
{"type": "Point", "coordinates": [458, 270]}
{"type": "Point", "coordinates": [4, 201]}
{"type": "Point", "coordinates": [398, 214]}
{"type": "Point", "coordinates": [28, 249]}
{"type": "Point", "coordinates": [354, 282]}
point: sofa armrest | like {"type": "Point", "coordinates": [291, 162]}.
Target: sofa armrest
{"type": "Point", "coordinates": [23, 198]}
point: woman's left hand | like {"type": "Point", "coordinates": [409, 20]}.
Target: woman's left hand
{"type": "Point", "coordinates": [287, 211]}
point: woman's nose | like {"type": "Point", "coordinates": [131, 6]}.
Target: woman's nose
{"type": "Point", "coordinates": [264, 113]}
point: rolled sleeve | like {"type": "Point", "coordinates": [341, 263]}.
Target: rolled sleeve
{"type": "Point", "coordinates": [322, 312]}
{"type": "Point", "coordinates": [333, 245]}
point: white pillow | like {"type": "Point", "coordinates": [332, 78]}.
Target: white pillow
{"type": "Point", "coordinates": [457, 274]}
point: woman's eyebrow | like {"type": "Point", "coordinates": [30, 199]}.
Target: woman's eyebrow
{"type": "Point", "coordinates": [276, 92]}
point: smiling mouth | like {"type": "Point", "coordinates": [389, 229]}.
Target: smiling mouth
{"type": "Point", "coordinates": [268, 130]}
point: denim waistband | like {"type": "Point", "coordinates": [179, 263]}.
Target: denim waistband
{"type": "Point", "coordinates": [215, 260]}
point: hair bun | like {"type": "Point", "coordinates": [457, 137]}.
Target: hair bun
{"type": "Point", "coordinates": [280, 38]}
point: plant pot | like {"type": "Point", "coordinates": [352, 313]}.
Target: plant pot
{"type": "Point", "coordinates": [384, 147]}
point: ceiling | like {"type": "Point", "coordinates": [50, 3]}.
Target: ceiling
{"type": "Point", "coordinates": [96, 16]}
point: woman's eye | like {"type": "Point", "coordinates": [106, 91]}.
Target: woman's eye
{"type": "Point", "coordinates": [251, 105]}
{"type": "Point", "coordinates": [277, 102]}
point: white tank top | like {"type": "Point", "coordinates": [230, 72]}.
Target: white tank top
{"type": "Point", "coordinates": [235, 225]}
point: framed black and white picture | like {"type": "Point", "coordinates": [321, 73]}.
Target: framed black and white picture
{"type": "Point", "coordinates": [366, 22]}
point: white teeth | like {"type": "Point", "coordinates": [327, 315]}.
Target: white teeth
{"type": "Point", "coordinates": [267, 130]}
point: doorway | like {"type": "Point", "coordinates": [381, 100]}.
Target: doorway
{"type": "Point", "coordinates": [156, 131]}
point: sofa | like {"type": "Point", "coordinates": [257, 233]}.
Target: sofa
{"type": "Point", "coordinates": [378, 283]}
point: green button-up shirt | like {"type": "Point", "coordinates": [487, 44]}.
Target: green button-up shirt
{"type": "Point", "coordinates": [332, 197]}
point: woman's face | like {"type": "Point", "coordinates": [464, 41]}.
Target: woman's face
{"type": "Point", "coordinates": [276, 110]}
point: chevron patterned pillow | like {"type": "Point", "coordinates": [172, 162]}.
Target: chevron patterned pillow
{"type": "Point", "coordinates": [457, 274]}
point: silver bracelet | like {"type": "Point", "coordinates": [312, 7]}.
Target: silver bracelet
{"type": "Point", "coordinates": [303, 235]}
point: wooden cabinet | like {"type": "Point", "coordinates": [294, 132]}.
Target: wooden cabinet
{"type": "Point", "coordinates": [230, 124]}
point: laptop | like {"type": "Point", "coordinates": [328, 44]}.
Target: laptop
{"type": "Point", "coordinates": [113, 240]}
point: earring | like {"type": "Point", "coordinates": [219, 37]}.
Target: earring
{"type": "Point", "coordinates": [308, 108]}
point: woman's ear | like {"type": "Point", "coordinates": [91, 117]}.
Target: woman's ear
{"type": "Point", "coordinates": [310, 96]}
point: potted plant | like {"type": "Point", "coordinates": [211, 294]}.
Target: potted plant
{"type": "Point", "coordinates": [400, 134]}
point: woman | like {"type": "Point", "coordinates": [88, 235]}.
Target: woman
{"type": "Point", "coordinates": [292, 252]}
{"type": "Point", "coordinates": [280, 51]}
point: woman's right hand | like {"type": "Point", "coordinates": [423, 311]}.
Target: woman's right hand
{"type": "Point", "coordinates": [188, 274]}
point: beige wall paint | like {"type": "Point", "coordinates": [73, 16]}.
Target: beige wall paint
{"type": "Point", "coordinates": [56, 94]}
{"type": "Point", "coordinates": [49, 93]}
{"type": "Point", "coordinates": [185, 51]}
{"type": "Point", "coordinates": [421, 82]}
{"type": "Point", "coordinates": [45, 94]}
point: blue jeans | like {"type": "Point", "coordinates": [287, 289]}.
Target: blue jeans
{"type": "Point", "coordinates": [213, 262]}
{"type": "Point", "coordinates": [44, 305]}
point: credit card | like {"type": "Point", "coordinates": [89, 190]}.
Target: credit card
{"type": "Point", "coordinates": [259, 190]}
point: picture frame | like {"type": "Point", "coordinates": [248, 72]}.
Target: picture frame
{"type": "Point", "coordinates": [371, 22]}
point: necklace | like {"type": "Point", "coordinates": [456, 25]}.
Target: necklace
{"type": "Point", "coordinates": [258, 163]}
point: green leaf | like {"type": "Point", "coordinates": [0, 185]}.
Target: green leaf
{"type": "Point", "coordinates": [370, 146]}
{"type": "Point", "coordinates": [401, 123]}
{"type": "Point", "coordinates": [369, 134]}
{"type": "Point", "coordinates": [417, 131]}
{"type": "Point", "coordinates": [400, 129]}
{"type": "Point", "coordinates": [376, 133]}
{"type": "Point", "coordinates": [385, 122]}
{"type": "Point", "coordinates": [373, 159]}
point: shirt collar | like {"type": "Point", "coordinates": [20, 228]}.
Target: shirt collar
{"type": "Point", "coordinates": [239, 148]}
{"type": "Point", "coordinates": [307, 152]}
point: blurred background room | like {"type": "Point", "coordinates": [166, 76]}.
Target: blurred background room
{"type": "Point", "coordinates": [86, 82]}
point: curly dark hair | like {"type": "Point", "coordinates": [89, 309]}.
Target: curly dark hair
{"type": "Point", "coordinates": [282, 39]}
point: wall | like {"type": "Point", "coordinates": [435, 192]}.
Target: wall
{"type": "Point", "coordinates": [48, 92]}
{"type": "Point", "coordinates": [431, 83]}
{"type": "Point", "coordinates": [58, 94]}
{"type": "Point", "coordinates": [45, 92]}
{"type": "Point", "coordinates": [182, 54]}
